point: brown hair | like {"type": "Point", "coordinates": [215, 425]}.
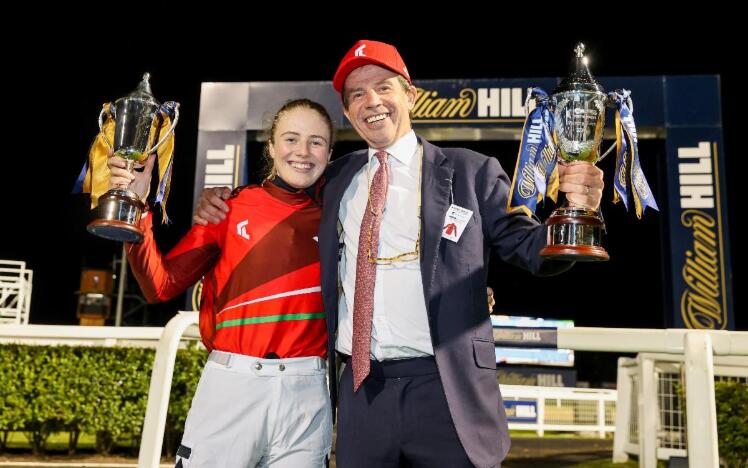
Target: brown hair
{"type": "Point", "coordinates": [289, 106]}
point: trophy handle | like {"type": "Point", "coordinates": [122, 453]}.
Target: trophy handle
{"type": "Point", "coordinates": [102, 114]}
{"type": "Point", "coordinates": [171, 129]}
{"type": "Point", "coordinates": [606, 152]}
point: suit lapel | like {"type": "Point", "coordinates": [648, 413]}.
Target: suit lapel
{"type": "Point", "coordinates": [435, 200]}
{"type": "Point", "coordinates": [335, 188]}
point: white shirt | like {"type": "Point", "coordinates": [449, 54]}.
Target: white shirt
{"type": "Point", "coordinates": [400, 327]}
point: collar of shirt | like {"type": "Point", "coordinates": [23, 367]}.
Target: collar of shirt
{"type": "Point", "coordinates": [298, 195]}
{"type": "Point", "coordinates": [403, 150]}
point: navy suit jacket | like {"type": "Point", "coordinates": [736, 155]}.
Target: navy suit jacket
{"type": "Point", "coordinates": [454, 281]}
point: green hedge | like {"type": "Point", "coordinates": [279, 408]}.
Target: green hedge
{"type": "Point", "coordinates": [732, 422]}
{"type": "Point", "coordinates": [95, 390]}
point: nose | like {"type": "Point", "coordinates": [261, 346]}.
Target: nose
{"type": "Point", "coordinates": [303, 149]}
{"type": "Point", "coordinates": [372, 98]}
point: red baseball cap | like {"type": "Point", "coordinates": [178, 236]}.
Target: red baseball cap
{"type": "Point", "coordinates": [366, 52]}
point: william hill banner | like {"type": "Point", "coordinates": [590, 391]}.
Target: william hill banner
{"type": "Point", "coordinates": [471, 102]}
{"type": "Point", "coordinates": [699, 250]}
{"type": "Point", "coordinates": [698, 228]}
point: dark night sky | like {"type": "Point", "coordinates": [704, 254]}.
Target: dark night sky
{"type": "Point", "coordinates": [61, 84]}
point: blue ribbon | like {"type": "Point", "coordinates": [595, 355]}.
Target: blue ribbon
{"type": "Point", "coordinates": [168, 108]}
{"type": "Point", "coordinates": [78, 187]}
{"type": "Point", "coordinates": [537, 156]}
{"type": "Point", "coordinates": [164, 182]}
{"type": "Point", "coordinates": [628, 166]}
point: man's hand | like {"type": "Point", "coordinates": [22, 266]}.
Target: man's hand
{"type": "Point", "coordinates": [582, 182]}
{"type": "Point", "coordinates": [211, 207]}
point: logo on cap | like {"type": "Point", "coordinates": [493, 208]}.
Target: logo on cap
{"type": "Point", "coordinates": [366, 52]}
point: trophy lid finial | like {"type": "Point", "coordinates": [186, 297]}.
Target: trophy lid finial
{"type": "Point", "coordinates": [579, 49]}
{"type": "Point", "coordinates": [145, 85]}
{"type": "Point", "coordinates": [579, 77]}
{"type": "Point", "coordinates": [143, 91]}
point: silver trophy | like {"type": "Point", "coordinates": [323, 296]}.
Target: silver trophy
{"type": "Point", "coordinates": [578, 105]}
{"type": "Point", "coordinates": [137, 121]}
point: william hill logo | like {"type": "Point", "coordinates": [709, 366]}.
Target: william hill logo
{"type": "Point", "coordinates": [702, 300]}
{"type": "Point", "coordinates": [472, 104]}
{"type": "Point", "coordinates": [701, 304]}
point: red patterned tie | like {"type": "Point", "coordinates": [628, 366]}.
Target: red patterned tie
{"type": "Point", "coordinates": [366, 272]}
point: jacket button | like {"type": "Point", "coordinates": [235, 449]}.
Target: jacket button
{"type": "Point", "coordinates": [258, 366]}
{"type": "Point", "coordinates": [282, 367]}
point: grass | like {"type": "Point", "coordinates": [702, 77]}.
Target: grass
{"type": "Point", "coordinates": [59, 441]}
{"type": "Point", "coordinates": [554, 435]}
{"type": "Point", "coordinates": [610, 464]}
{"type": "Point", "coordinates": [606, 464]}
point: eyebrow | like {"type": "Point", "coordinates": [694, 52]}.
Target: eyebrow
{"type": "Point", "coordinates": [349, 91]}
{"type": "Point", "coordinates": [298, 134]}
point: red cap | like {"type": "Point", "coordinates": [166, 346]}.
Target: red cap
{"type": "Point", "coordinates": [366, 52]}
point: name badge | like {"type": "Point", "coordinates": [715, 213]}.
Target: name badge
{"type": "Point", "coordinates": [454, 222]}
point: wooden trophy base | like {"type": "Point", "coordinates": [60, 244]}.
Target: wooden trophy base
{"type": "Point", "coordinates": [575, 234]}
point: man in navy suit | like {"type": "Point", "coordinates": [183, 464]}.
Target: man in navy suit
{"type": "Point", "coordinates": [405, 237]}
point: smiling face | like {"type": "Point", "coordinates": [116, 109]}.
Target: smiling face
{"type": "Point", "coordinates": [300, 146]}
{"type": "Point", "coordinates": [378, 105]}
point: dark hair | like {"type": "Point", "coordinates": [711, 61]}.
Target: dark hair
{"type": "Point", "coordinates": [289, 106]}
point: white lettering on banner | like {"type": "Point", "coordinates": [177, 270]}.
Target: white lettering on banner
{"type": "Point", "coordinates": [695, 176]}
{"type": "Point", "coordinates": [535, 132]}
{"type": "Point", "coordinates": [500, 102]}
{"type": "Point", "coordinates": [219, 167]}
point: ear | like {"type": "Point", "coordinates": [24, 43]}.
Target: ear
{"type": "Point", "coordinates": [412, 94]}
{"type": "Point", "coordinates": [271, 150]}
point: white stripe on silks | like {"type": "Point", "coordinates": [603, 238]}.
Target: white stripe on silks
{"type": "Point", "coordinates": [296, 292]}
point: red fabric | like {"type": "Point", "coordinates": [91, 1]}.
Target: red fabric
{"type": "Point", "coordinates": [264, 252]}
{"type": "Point", "coordinates": [366, 52]}
{"type": "Point", "coordinates": [366, 272]}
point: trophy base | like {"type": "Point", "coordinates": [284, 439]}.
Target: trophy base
{"type": "Point", "coordinates": [118, 215]}
{"type": "Point", "coordinates": [575, 234]}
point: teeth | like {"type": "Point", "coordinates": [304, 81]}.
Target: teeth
{"type": "Point", "coordinates": [376, 118]}
{"type": "Point", "coordinates": [299, 165]}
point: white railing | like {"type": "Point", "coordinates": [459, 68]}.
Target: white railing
{"type": "Point", "coordinates": [659, 415]}
{"type": "Point", "coordinates": [167, 340]}
{"type": "Point", "coordinates": [158, 393]}
{"type": "Point", "coordinates": [697, 345]}
{"type": "Point", "coordinates": [72, 335]}
{"type": "Point", "coordinates": [15, 292]}
{"type": "Point", "coordinates": [561, 409]}
{"type": "Point", "coordinates": [698, 348]}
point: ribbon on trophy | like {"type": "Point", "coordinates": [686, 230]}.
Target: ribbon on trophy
{"type": "Point", "coordinates": [535, 174]}
{"type": "Point", "coordinates": [94, 176]}
{"type": "Point", "coordinates": [628, 168]}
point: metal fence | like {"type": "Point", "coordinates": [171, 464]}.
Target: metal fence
{"type": "Point", "coordinates": [651, 407]}
{"type": "Point", "coordinates": [15, 292]}
{"type": "Point", "coordinates": [567, 409]}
